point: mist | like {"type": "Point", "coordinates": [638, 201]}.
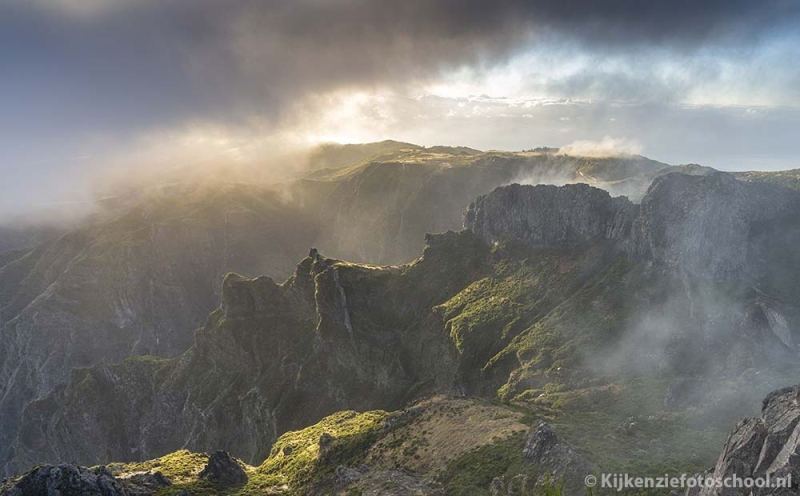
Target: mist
{"type": "Point", "coordinates": [227, 225]}
{"type": "Point", "coordinates": [133, 92]}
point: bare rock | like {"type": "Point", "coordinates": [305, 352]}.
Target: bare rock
{"type": "Point", "coordinates": [556, 460]}
{"type": "Point", "coordinates": [549, 215]}
{"type": "Point", "coordinates": [150, 481]}
{"type": "Point", "coordinates": [69, 480]}
{"type": "Point", "coordinates": [223, 470]}
{"type": "Point", "coordinates": [768, 446]}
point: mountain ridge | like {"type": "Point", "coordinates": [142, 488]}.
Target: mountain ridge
{"type": "Point", "coordinates": [475, 315]}
{"type": "Point", "coordinates": [143, 276]}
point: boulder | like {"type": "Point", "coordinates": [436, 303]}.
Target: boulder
{"type": "Point", "coordinates": [223, 470]}
{"type": "Point", "coordinates": [555, 458]}
{"type": "Point", "coordinates": [556, 463]}
{"type": "Point", "coordinates": [768, 446]}
{"type": "Point", "coordinates": [69, 480]}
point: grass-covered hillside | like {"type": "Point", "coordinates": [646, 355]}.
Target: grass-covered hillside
{"type": "Point", "coordinates": [442, 445]}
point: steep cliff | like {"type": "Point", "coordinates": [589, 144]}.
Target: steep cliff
{"type": "Point", "coordinates": [708, 225]}
{"type": "Point", "coordinates": [704, 261]}
{"type": "Point", "coordinates": [549, 215]}
{"type": "Point", "coordinates": [491, 311]}
{"type": "Point", "coordinates": [140, 279]}
{"type": "Point", "coordinates": [713, 225]}
{"type": "Point", "coordinates": [767, 446]}
{"type": "Point", "coordinates": [135, 285]}
{"type": "Point", "coordinates": [272, 358]}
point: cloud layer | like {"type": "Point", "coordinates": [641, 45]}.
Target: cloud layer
{"type": "Point", "coordinates": [101, 81]}
{"type": "Point", "coordinates": [151, 61]}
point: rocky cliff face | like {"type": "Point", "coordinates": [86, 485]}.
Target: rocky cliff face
{"type": "Point", "coordinates": [767, 446]}
{"type": "Point", "coordinates": [136, 285]}
{"type": "Point", "coordinates": [711, 226]}
{"type": "Point", "coordinates": [550, 215]}
{"type": "Point", "coordinates": [714, 250]}
{"type": "Point", "coordinates": [144, 276]}
{"type": "Point", "coordinates": [590, 280]}
{"type": "Point", "coordinates": [272, 358]}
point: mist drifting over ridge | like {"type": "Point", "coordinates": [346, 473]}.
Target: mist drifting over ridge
{"type": "Point", "coordinates": [145, 86]}
{"type": "Point", "coordinates": [430, 247]}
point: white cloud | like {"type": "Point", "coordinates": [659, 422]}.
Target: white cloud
{"type": "Point", "coordinates": [607, 147]}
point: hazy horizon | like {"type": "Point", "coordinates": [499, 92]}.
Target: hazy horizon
{"type": "Point", "coordinates": [98, 89]}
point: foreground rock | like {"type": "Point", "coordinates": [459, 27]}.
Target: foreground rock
{"type": "Point", "coordinates": [556, 461]}
{"type": "Point", "coordinates": [223, 470]}
{"type": "Point", "coordinates": [768, 446]}
{"type": "Point", "coordinates": [554, 456]}
{"type": "Point", "coordinates": [72, 480]}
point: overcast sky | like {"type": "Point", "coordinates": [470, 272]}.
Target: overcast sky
{"type": "Point", "coordinates": [90, 87]}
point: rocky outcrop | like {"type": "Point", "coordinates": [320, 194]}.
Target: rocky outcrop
{"type": "Point", "coordinates": [768, 446]}
{"type": "Point", "coordinates": [72, 480]}
{"type": "Point", "coordinates": [223, 470]}
{"type": "Point", "coordinates": [462, 319]}
{"type": "Point", "coordinates": [272, 358]}
{"type": "Point", "coordinates": [554, 456]}
{"type": "Point", "coordinates": [697, 223]}
{"type": "Point", "coordinates": [143, 277]}
{"type": "Point", "coordinates": [710, 226]}
{"type": "Point", "coordinates": [556, 463]}
{"type": "Point", "coordinates": [550, 215]}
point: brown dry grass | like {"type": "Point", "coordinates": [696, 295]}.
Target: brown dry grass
{"type": "Point", "coordinates": [445, 429]}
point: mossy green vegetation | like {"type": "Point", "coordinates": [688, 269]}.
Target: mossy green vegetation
{"type": "Point", "coordinates": [529, 322]}
{"type": "Point", "coordinates": [180, 466]}
{"type": "Point", "coordinates": [311, 455]}
{"type": "Point", "coordinates": [472, 473]}
{"type": "Point", "coordinates": [299, 459]}
{"type": "Point", "coordinates": [308, 458]}
{"type": "Point", "coordinates": [626, 428]}
{"type": "Point", "coordinates": [461, 445]}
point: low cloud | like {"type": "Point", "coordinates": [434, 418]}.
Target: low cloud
{"type": "Point", "coordinates": [145, 86]}
{"type": "Point", "coordinates": [606, 148]}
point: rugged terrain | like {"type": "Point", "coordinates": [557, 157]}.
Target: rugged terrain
{"type": "Point", "coordinates": [440, 445]}
{"type": "Point", "coordinates": [590, 310]}
{"type": "Point", "coordinates": [143, 273]}
{"type": "Point", "coordinates": [764, 447]}
{"type": "Point", "coordinates": [655, 323]}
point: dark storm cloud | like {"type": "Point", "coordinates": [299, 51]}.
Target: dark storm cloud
{"type": "Point", "coordinates": [82, 80]}
{"type": "Point", "coordinates": [107, 62]}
